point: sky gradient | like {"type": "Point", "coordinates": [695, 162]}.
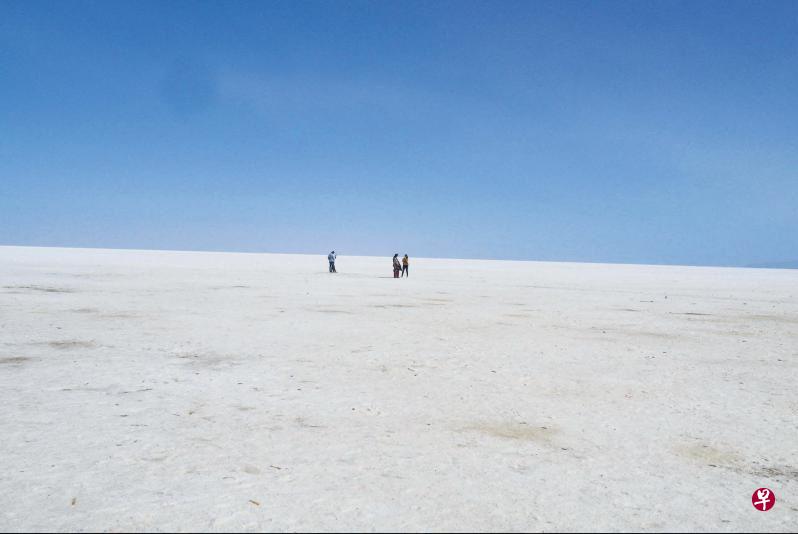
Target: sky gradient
{"type": "Point", "coordinates": [643, 132]}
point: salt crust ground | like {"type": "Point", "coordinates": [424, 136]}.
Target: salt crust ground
{"type": "Point", "coordinates": [205, 391]}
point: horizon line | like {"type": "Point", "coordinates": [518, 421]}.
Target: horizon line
{"type": "Point", "coordinates": [785, 265]}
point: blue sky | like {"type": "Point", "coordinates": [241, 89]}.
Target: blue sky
{"type": "Point", "coordinates": [646, 132]}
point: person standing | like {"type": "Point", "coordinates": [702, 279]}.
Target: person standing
{"type": "Point", "coordinates": [405, 264]}
{"type": "Point", "coordinates": [331, 258]}
{"type": "Point", "coordinates": [397, 267]}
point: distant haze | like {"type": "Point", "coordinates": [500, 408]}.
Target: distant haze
{"type": "Point", "coordinates": [636, 132]}
{"type": "Point", "coordinates": [777, 265]}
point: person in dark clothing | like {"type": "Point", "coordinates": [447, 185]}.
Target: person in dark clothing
{"type": "Point", "coordinates": [405, 265]}
{"type": "Point", "coordinates": [397, 266]}
{"type": "Point", "coordinates": [331, 258]}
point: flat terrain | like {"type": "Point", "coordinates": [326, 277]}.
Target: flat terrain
{"type": "Point", "coordinates": [208, 391]}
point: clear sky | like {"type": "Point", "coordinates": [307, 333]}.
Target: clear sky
{"type": "Point", "coordinates": [646, 132]}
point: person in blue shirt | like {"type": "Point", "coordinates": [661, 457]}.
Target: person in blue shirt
{"type": "Point", "coordinates": [331, 258]}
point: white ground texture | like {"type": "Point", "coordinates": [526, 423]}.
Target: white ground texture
{"type": "Point", "coordinates": [183, 391]}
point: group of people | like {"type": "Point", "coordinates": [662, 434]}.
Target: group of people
{"type": "Point", "coordinates": [399, 266]}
